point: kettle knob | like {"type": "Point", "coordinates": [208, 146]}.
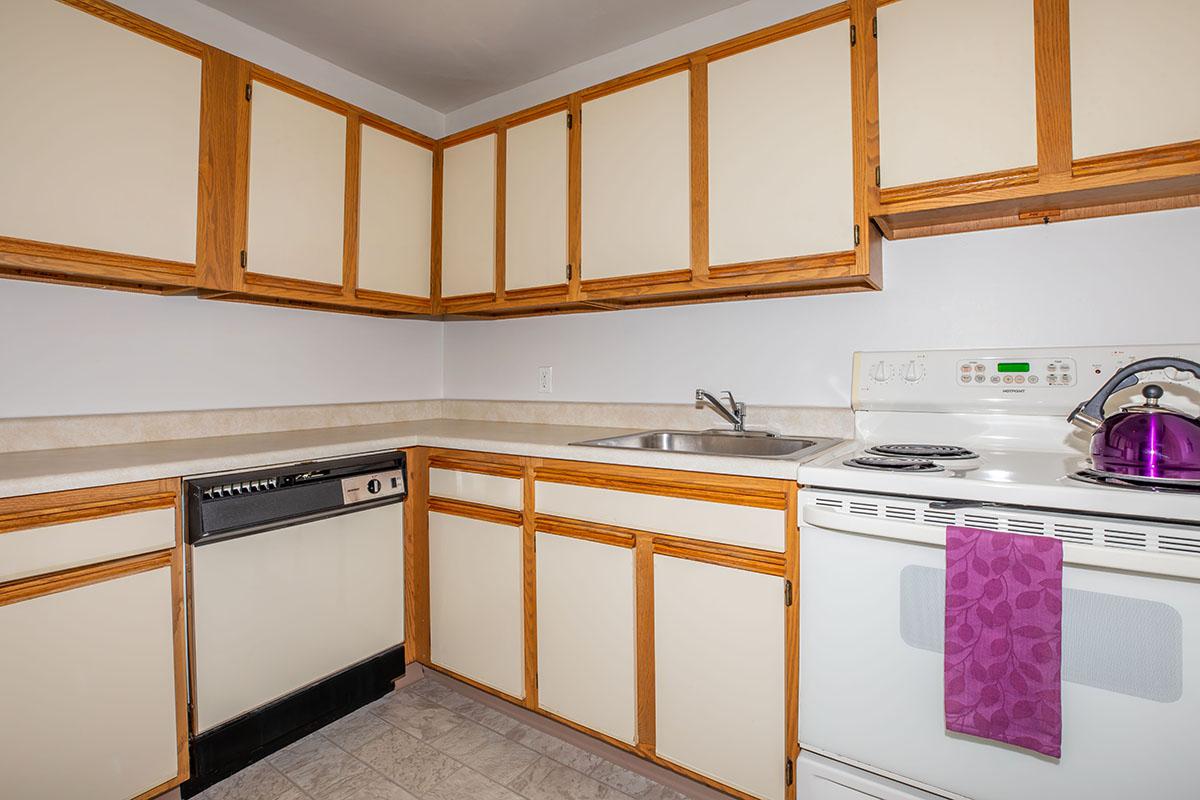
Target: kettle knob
{"type": "Point", "coordinates": [1152, 393]}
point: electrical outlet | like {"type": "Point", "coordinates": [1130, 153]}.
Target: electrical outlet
{"type": "Point", "coordinates": [545, 380]}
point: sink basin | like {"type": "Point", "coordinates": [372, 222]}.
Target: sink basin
{"type": "Point", "coordinates": [718, 443]}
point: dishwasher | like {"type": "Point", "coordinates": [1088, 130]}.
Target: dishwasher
{"type": "Point", "coordinates": [295, 603]}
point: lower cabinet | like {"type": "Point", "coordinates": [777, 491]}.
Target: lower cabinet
{"type": "Point", "coordinates": [586, 634]}
{"type": "Point", "coordinates": [476, 611]}
{"type": "Point", "coordinates": [719, 673]}
{"type": "Point", "coordinates": [89, 698]}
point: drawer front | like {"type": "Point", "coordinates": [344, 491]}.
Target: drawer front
{"type": "Point", "coordinates": [760, 528]}
{"type": "Point", "coordinates": [36, 551]}
{"type": "Point", "coordinates": [475, 487]}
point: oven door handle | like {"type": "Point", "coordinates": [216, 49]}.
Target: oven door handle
{"type": "Point", "coordinates": [1118, 559]}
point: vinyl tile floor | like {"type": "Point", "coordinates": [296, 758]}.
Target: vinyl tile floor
{"type": "Point", "coordinates": [431, 740]}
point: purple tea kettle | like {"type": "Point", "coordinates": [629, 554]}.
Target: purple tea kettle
{"type": "Point", "coordinates": [1143, 441]}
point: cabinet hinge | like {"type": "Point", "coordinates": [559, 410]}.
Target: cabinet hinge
{"type": "Point", "coordinates": [878, 176]}
{"type": "Point", "coordinates": [789, 773]}
{"type": "Point", "coordinates": [853, 36]}
{"type": "Point", "coordinates": [856, 233]}
{"type": "Point", "coordinates": [570, 120]}
{"type": "Point", "coordinates": [249, 90]}
{"type": "Point", "coordinates": [787, 585]}
{"type": "Point", "coordinates": [243, 259]}
{"type": "Point", "coordinates": [569, 271]}
{"type": "Point", "coordinates": [875, 27]}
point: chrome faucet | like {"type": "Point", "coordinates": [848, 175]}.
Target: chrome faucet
{"type": "Point", "coordinates": [735, 414]}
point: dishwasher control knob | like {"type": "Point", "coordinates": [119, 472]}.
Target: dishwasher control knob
{"type": "Point", "coordinates": [373, 486]}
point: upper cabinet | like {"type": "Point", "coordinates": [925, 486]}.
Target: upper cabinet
{"type": "Point", "coordinates": [535, 203]}
{"type": "Point", "coordinates": [957, 90]}
{"type": "Point", "coordinates": [469, 217]}
{"type": "Point", "coordinates": [780, 149]}
{"type": "Point", "coordinates": [1133, 74]}
{"type": "Point", "coordinates": [99, 144]}
{"type": "Point", "coordinates": [636, 180]}
{"type": "Point", "coordinates": [394, 215]}
{"type": "Point", "coordinates": [297, 185]}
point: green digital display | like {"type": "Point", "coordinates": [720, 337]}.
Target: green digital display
{"type": "Point", "coordinates": [1013, 366]}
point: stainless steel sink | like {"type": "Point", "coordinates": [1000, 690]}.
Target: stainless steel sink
{"type": "Point", "coordinates": [750, 444]}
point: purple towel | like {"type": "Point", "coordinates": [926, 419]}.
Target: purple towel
{"type": "Point", "coordinates": [1003, 663]}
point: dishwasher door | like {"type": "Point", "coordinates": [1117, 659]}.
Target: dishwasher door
{"type": "Point", "coordinates": [275, 611]}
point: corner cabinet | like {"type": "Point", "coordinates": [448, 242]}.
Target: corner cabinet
{"type": "Point", "coordinates": [469, 218]}
{"type": "Point", "coordinates": [100, 165]}
{"type": "Point", "coordinates": [395, 220]}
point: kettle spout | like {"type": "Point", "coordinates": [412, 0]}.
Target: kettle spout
{"type": "Point", "coordinates": [1081, 419]}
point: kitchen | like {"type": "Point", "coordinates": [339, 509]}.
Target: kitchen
{"type": "Point", "coordinates": [656, 616]}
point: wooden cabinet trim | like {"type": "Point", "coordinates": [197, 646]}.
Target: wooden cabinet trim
{"type": "Point", "coordinates": [893, 199]}
{"type": "Point", "coordinates": [1181, 153]}
{"type": "Point", "coordinates": [54, 582]}
{"type": "Point", "coordinates": [39, 510]}
{"type": "Point", "coordinates": [588, 531]}
{"type": "Point", "coordinates": [416, 558]}
{"type": "Point", "coordinates": [529, 587]}
{"type": "Point", "coordinates": [727, 489]}
{"type": "Point", "coordinates": [644, 642]}
{"type": "Point", "coordinates": [21, 253]}
{"type": "Point", "coordinates": [498, 464]}
{"type": "Point", "coordinates": [698, 152]}
{"type": "Point", "coordinates": [720, 555]}
{"type": "Point", "coordinates": [352, 193]}
{"type": "Point", "coordinates": [1052, 55]}
{"type": "Point", "coordinates": [462, 508]}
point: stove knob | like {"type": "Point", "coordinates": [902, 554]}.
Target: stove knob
{"type": "Point", "coordinates": [913, 372]}
{"type": "Point", "coordinates": [880, 373]}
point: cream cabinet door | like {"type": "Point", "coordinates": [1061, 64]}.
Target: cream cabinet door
{"type": "Point", "coordinates": [100, 134]}
{"type": "Point", "coordinates": [476, 607]}
{"type": "Point", "coordinates": [637, 180]}
{"type": "Point", "coordinates": [89, 691]}
{"type": "Point", "coordinates": [586, 634]}
{"type": "Point", "coordinates": [957, 91]}
{"type": "Point", "coordinates": [719, 673]}
{"type": "Point", "coordinates": [469, 217]}
{"type": "Point", "coordinates": [780, 151]}
{"type": "Point", "coordinates": [297, 187]}
{"type": "Point", "coordinates": [535, 203]}
{"type": "Point", "coordinates": [1133, 74]}
{"type": "Point", "coordinates": [394, 208]}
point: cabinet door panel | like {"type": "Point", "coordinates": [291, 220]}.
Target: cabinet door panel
{"type": "Point", "coordinates": [957, 91]}
{"type": "Point", "coordinates": [535, 203]}
{"type": "Point", "coordinates": [780, 155]}
{"type": "Point", "coordinates": [1133, 74]}
{"type": "Point", "coordinates": [586, 634]}
{"type": "Point", "coordinates": [719, 673]}
{"type": "Point", "coordinates": [637, 180]}
{"type": "Point", "coordinates": [100, 137]}
{"type": "Point", "coordinates": [469, 217]}
{"type": "Point", "coordinates": [297, 187]}
{"type": "Point", "coordinates": [476, 609]}
{"type": "Point", "coordinates": [94, 715]}
{"type": "Point", "coordinates": [395, 203]}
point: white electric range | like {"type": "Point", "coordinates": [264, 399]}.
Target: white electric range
{"type": "Point", "coordinates": [873, 519]}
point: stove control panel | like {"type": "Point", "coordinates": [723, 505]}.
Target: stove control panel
{"type": "Point", "coordinates": [1032, 372]}
{"type": "Point", "coordinates": [1035, 381]}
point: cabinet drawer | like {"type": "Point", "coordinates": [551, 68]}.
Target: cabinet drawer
{"type": "Point", "coordinates": [760, 528]}
{"type": "Point", "coordinates": [35, 551]}
{"type": "Point", "coordinates": [476, 487]}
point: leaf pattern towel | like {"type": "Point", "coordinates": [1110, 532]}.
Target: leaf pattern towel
{"type": "Point", "coordinates": [1003, 654]}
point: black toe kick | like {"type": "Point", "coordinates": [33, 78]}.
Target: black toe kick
{"type": "Point", "coordinates": [232, 746]}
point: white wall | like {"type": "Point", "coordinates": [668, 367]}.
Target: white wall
{"type": "Point", "coordinates": [234, 36]}
{"type": "Point", "coordinates": [68, 350]}
{"type": "Point", "coordinates": [1120, 280]}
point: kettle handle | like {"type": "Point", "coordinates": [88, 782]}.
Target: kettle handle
{"type": "Point", "coordinates": [1089, 415]}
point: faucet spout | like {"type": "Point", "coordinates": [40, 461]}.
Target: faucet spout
{"type": "Point", "coordinates": [734, 414]}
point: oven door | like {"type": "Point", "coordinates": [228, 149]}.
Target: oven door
{"type": "Point", "coordinates": [871, 634]}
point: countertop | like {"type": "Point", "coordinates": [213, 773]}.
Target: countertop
{"type": "Point", "coordinates": [37, 471]}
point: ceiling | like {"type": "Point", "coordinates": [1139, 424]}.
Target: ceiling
{"type": "Point", "coordinates": [449, 53]}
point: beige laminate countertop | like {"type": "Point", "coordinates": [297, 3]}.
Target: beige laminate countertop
{"type": "Point", "coordinates": [37, 471]}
